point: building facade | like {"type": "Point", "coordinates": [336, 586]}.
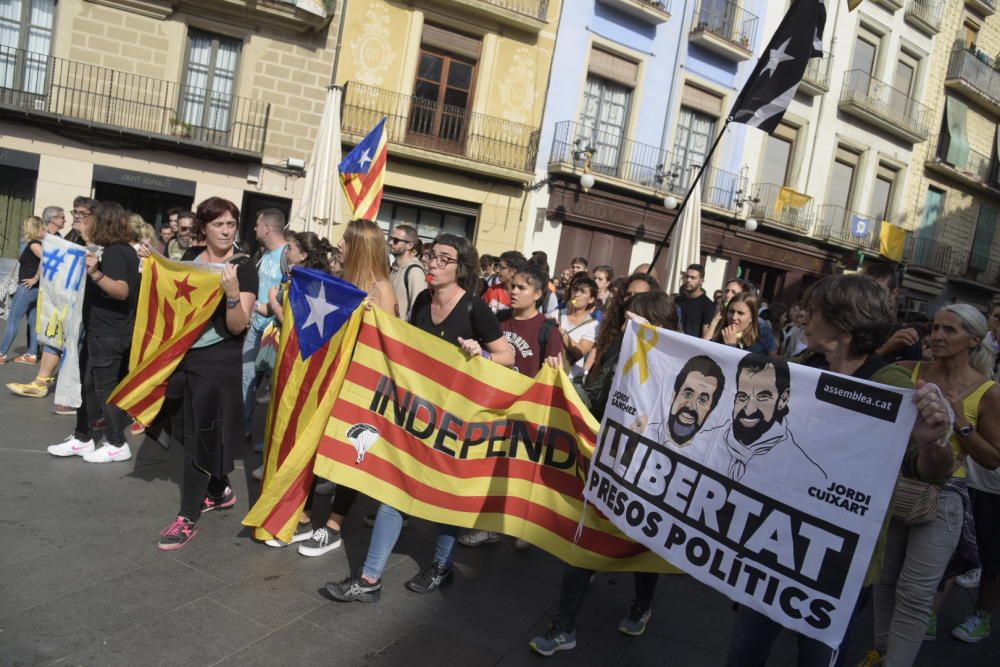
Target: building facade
{"type": "Point", "coordinates": [158, 103]}
{"type": "Point", "coordinates": [462, 84]}
{"type": "Point", "coordinates": [953, 250]}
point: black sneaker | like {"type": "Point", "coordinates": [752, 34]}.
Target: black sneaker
{"type": "Point", "coordinates": [370, 520]}
{"type": "Point", "coordinates": [431, 578]}
{"type": "Point", "coordinates": [354, 589]}
{"type": "Point", "coordinates": [323, 539]}
{"type": "Point", "coordinates": [634, 623]}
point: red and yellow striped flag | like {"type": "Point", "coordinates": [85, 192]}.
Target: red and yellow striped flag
{"type": "Point", "coordinates": [176, 301]}
{"type": "Point", "coordinates": [302, 395]}
{"type": "Point", "coordinates": [468, 443]}
{"type": "Point", "coordinates": [362, 173]}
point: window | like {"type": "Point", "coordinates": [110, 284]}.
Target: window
{"type": "Point", "coordinates": [25, 43]}
{"type": "Point", "coordinates": [885, 181]}
{"type": "Point", "coordinates": [842, 179]}
{"type": "Point", "coordinates": [606, 102]}
{"type": "Point", "coordinates": [971, 34]}
{"type": "Point", "coordinates": [865, 52]}
{"type": "Point", "coordinates": [442, 92]}
{"type": "Point", "coordinates": [986, 227]}
{"type": "Point", "coordinates": [695, 133]}
{"type": "Point", "coordinates": [429, 222]}
{"type": "Point", "coordinates": [932, 211]}
{"type": "Point", "coordinates": [777, 159]}
{"type": "Point", "coordinates": [207, 95]}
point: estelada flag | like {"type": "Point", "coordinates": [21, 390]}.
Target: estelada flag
{"type": "Point", "coordinates": [320, 324]}
{"type": "Point", "coordinates": [176, 301]}
{"type": "Point", "coordinates": [468, 443]}
{"type": "Point", "coordinates": [362, 173]}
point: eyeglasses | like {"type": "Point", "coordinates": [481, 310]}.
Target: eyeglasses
{"type": "Point", "coordinates": [184, 228]}
{"type": "Point", "coordinates": [441, 260]}
{"type": "Point", "coordinates": [81, 214]}
{"type": "Point", "coordinates": [393, 239]}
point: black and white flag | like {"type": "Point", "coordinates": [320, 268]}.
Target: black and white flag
{"type": "Point", "coordinates": [774, 80]}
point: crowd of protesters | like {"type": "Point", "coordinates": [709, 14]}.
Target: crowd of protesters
{"type": "Point", "coordinates": [509, 309]}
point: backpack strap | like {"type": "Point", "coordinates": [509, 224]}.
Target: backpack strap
{"type": "Point", "coordinates": [544, 334]}
{"type": "Point", "coordinates": [406, 282]}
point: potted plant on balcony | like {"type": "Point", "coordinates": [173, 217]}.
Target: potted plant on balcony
{"type": "Point", "coordinates": [179, 128]}
{"type": "Point", "coordinates": [745, 42]}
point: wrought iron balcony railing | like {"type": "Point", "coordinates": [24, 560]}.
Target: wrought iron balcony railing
{"type": "Point", "coordinates": [928, 254]}
{"type": "Point", "coordinates": [640, 164]}
{"type": "Point", "coordinates": [422, 123]}
{"type": "Point", "coordinates": [885, 105]}
{"type": "Point", "coordinates": [768, 206]}
{"type": "Point", "coordinates": [727, 20]}
{"type": "Point", "coordinates": [972, 166]}
{"type": "Point", "coordinates": [536, 9]}
{"type": "Point", "coordinates": [975, 266]}
{"type": "Point", "coordinates": [977, 71]}
{"type": "Point", "coordinates": [45, 86]}
{"type": "Point", "coordinates": [850, 228]}
{"type": "Point", "coordinates": [817, 74]}
{"type": "Point", "coordinates": [926, 13]}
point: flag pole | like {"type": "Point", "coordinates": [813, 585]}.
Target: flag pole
{"type": "Point", "coordinates": [687, 195]}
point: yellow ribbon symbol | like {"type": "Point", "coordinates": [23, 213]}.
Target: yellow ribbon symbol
{"type": "Point", "coordinates": [55, 328]}
{"type": "Point", "coordinates": [646, 340]}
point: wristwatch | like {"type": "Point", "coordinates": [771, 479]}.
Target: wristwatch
{"type": "Point", "coordinates": [963, 431]}
{"type": "Point", "coordinates": [232, 303]}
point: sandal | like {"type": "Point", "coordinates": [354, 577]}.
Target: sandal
{"type": "Point", "coordinates": [26, 359]}
{"type": "Point", "coordinates": [3, 359]}
{"type": "Point", "coordinates": [31, 389]}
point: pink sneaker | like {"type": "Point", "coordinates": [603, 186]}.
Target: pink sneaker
{"type": "Point", "coordinates": [224, 502]}
{"type": "Point", "coordinates": [181, 531]}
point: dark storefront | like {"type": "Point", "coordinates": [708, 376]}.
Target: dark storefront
{"type": "Point", "coordinates": [149, 195]}
{"type": "Point", "coordinates": [18, 176]}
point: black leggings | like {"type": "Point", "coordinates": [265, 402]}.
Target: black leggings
{"type": "Point", "coordinates": [573, 591]}
{"type": "Point", "coordinates": [343, 499]}
{"type": "Point", "coordinates": [195, 485]}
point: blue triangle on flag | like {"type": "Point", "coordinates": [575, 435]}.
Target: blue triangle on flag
{"type": "Point", "coordinates": [321, 305]}
{"type": "Point", "coordinates": [363, 156]}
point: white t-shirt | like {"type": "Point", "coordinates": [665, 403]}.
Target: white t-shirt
{"type": "Point", "coordinates": [585, 331]}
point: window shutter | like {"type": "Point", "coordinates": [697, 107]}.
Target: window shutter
{"type": "Point", "coordinates": [452, 42]}
{"type": "Point", "coordinates": [701, 100]}
{"type": "Point", "coordinates": [614, 67]}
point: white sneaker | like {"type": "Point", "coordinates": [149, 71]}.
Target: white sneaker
{"type": "Point", "coordinates": [303, 532]}
{"type": "Point", "coordinates": [258, 474]}
{"type": "Point", "coordinates": [970, 579]}
{"type": "Point", "coordinates": [72, 447]}
{"type": "Point", "coordinates": [476, 537]}
{"type": "Point", "coordinates": [107, 453]}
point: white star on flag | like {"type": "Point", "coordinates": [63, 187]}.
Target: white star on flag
{"type": "Point", "coordinates": [319, 308]}
{"type": "Point", "coordinates": [365, 157]}
{"type": "Point", "coordinates": [777, 57]}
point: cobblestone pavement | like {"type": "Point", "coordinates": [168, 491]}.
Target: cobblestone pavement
{"type": "Point", "coordinates": [82, 583]}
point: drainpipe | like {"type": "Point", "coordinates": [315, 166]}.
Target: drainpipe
{"type": "Point", "coordinates": [340, 41]}
{"type": "Point", "coordinates": [681, 43]}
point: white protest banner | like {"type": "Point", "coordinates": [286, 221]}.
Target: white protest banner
{"type": "Point", "coordinates": [60, 310]}
{"type": "Point", "coordinates": [765, 480]}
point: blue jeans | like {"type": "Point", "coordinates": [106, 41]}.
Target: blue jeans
{"type": "Point", "coordinates": [388, 526]}
{"type": "Point", "coordinates": [23, 303]}
{"type": "Point", "coordinates": [251, 346]}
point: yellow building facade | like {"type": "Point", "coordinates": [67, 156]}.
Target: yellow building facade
{"type": "Point", "coordinates": [159, 103]}
{"type": "Point", "coordinates": [462, 84]}
{"type": "Point", "coordinates": [953, 199]}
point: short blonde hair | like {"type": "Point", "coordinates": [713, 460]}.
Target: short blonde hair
{"type": "Point", "coordinates": [141, 230]}
{"type": "Point", "coordinates": [32, 229]}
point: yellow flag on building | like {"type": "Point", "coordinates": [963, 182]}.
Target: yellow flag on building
{"type": "Point", "coordinates": [176, 301]}
{"type": "Point", "coordinates": [788, 198]}
{"type": "Point", "coordinates": [892, 238]}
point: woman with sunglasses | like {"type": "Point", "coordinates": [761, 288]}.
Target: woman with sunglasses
{"type": "Point", "coordinates": [450, 310]}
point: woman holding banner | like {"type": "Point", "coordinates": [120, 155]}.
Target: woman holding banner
{"type": "Point", "coordinates": [848, 317]}
{"type": "Point", "coordinates": [204, 407]}
{"type": "Point", "coordinates": [918, 552]}
{"type": "Point", "coordinates": [450, 310]}
{"type": "Point", "coordinates": [109, 301]}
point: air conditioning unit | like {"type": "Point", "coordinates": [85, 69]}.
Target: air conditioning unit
{"type": "Point", "coordinates": [914, 305]}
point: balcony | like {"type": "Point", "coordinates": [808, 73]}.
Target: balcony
{"type": "Point", "coordinates": [975, 75]}
{"type": "Point", "coordinates": [927, 255]}
{"type": "Point", "coordinates": [436, 133]}
{"type": "Point", "coordinates": [975, 267]}
{"type": "Point", "coordinates": [976, 169]}
{"type": "Point", "coordinates": [925, 15]}
{"type": "Point", "coordinates": [766, 208]}
{"type": "Point", "coordinates": [69, 93]}
{"type": "Point", "coordinates": [530, 15]}
{"type": "Point", "coordinates": [816, 79]}
{"type": "Point", "coordinates": [881, 105]}
{"type": "Point", "coordinates": [849, 229]}
{"type": "Point", "coordinates": [640, 167]}
{"type": "Point", "coordinates": [723, 27]}
{"type": "Point", "coordinates": [653, 12]}
{"type": "Point", "coordinates": [984, 7]}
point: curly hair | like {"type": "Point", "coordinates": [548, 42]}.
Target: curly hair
{"type": "Point", "coordinates": [857, 305]}
{"type": "Point", "coordinates": [316, 249]}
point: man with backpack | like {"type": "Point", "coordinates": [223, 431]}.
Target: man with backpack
{"type": "Point", "coordinates": [407, 273]}
{"type": "Point", "coordinates": [536, 341]}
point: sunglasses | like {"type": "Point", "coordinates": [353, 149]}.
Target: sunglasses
{"type": "Point", "coordinates": [393, 239]}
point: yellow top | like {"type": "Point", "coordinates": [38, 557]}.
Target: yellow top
{"type": "Point", "coordinates": [970, 406]}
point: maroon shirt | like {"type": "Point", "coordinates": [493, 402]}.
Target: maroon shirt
{"type": "Point", "coordinates": [525, 337]}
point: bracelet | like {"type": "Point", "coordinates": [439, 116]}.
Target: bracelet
{"type": "Point", "coordinates": [98, 278]}
{"type": "Point", "coordinates": [486, 354]}
{"type": "Point", "coordinates": [232, 303]}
